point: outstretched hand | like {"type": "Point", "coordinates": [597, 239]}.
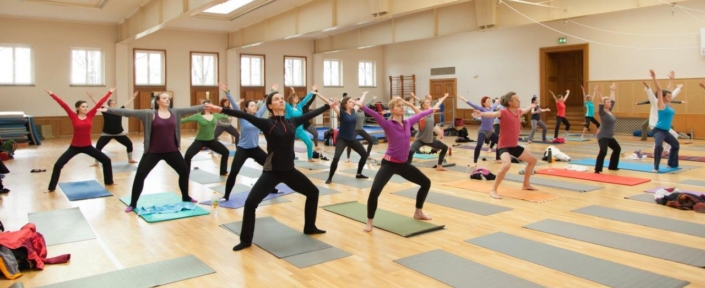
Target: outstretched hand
{"type": "Point", "coordinates": [275, 87]}
{"type": "Point", "coordinates": [213, 108]}
{"type": "Point", "coordinates": [652, 74]}
{"type": "Point", "coordinates": [48, 91]}
{"type": "Point", "coordinates": [112, 90]}
{"type": "Point", "coordinates": [462, 98]}
{"type": "Point", "coordinates": [671, 75]}
{"type": "Point", "coordinates": [314, 87]}
{"type": "Point", "coordinates": [223, 86]}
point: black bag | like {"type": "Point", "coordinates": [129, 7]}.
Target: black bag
{"type": "Point", "coordinates": [328, 138]}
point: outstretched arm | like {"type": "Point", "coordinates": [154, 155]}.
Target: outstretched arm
{"type": "Point", "coordinates": [565, 98]}
{"type": "Point", "coordinates": [671, 76]}
{"type": "Point", "coordinates": [129, 102]}
{"type": "Point", "coordinates": [90, 96]}
{"type": "Point", "coordinates": [584, 95]}
{"type": "Point", "coordinates": [61, 102]}
{"type": "Point", "coordinates": [613, 89]}
{"type": "Point", "coordinates": [191, 118]}
{"type": "Point", "coordinates": [258, 122]}
{"type": "Point", "coordinates": [675, 92]}
{"type": "Point", "coordinates": [440, 102]}
{"type": "Point", "coordinates": [100, 102]}
{"type": "Point", "coordinates": [474, 106]}
{"type": "Point", "coordinates": [554, 95]}
{"type": "Point", "coordinates": [488, 114]}
{"type": "Point", "coordinates": [659, 92]}
{"type": "Point", "coordinates": [407, 103]}
{"type": "Point", "coordinates": [527, 109]}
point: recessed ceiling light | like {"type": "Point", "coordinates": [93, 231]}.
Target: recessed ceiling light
{"type": "Point", "coordinates": [227, 7]}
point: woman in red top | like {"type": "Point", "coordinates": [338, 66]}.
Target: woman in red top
{"type": "Point", "coordinates": [560, 112]}
{"type": "Point", "coordinates": [82, 121]}
{"type": "Point", "coordinates": [508, 144]}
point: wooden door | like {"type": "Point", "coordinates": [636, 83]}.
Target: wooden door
{"type": "Point", "coordinates": [563, 68]}
{"type": "Point", "coordinates": [252, 93]}
{"type": "Point", "coordinates": [438, 88]}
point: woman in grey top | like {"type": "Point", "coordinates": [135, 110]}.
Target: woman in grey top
{"type": "Point", "coordinates": [605, 135]}
{"type": "Point", "coordinates": [360, 130]}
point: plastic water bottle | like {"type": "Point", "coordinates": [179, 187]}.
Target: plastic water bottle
{"type": "Point", "coordinates": [550, 156]}
{"type": "Point", "coordinates": [215, 201]}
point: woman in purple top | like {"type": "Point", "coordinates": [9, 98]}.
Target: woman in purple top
{"type": "Point", "coordinates": [486, 130]}
{"type": "Point", "coordinates": [398, 133]}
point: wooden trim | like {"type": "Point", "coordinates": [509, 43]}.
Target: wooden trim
{"type": "Point", "coordinates": [264, 69]}
{"type": "Point", "coordinates": [305, 69]}
{"type": "Point", "coordinates": [134, 75]}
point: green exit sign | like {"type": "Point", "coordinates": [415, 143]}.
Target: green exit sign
{"type": "Point", "coordinates": [562, 40]}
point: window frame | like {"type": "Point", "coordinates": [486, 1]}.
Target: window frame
{"type": "Point", "coordinates": [374, 74]}
{"type": "Point", "coordinates": [102, 66]}
{"type": "Point", "coordinates": [340, 73]}
{"type": "Point", "coordinates": [217, 67]}
{"type": "Point", "coordinates": [134, 67]}
{"type": "Point", "coordinates": [31, 65]}
{"type": "Point", "coordinates": [303, 72]}
{"type": "Point", "coordinates": [263, 67]}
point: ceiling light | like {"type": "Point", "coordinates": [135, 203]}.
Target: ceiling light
{"type": "Point", "coordinates": [227, 7]}
{"type": "Point", "coordinates": [330, 29]}
{"type": "Point", "coordinates": [292, 36]}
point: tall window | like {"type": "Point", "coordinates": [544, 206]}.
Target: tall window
{"type": "Point", "coordinates": [252, 70]}
{"type": "Point", "coordinates": [86, 67]}
{"type": "Point", "coordinates": [16, 65]}
{"type": "Point", "coordinates": [366, 74]}
{"type": "Point", "coordinates": [204, 69]}
{"type": "Point", "coordinates": [294, 71]}
{"type": "Point", "coordinates": [332, 73]}
{"type": "Point", "coordinates": [150, 68]}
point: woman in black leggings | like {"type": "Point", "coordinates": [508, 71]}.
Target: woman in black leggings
{"type": "Point", "coordinates": [224, 125]}
{"type": "Point", "coordinates": [205, 138]}
{"type": "Point", "coordinates": [347, 138]}
{"type": "Point", "coordinates": [360, 130]}
{"type": "Point", "coordinates": [279, 166]}
{"type": "Point", "coordinates": [112, 128]}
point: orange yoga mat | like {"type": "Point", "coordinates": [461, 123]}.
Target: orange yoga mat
{"type": "Point", "coordinates": [504, 190]}
{"type": "Point", "coordinates": [591, 176]}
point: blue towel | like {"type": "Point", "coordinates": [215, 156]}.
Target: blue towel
{"type": "Point", "coordinates": [165, 209]}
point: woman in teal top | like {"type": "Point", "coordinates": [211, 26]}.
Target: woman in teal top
{"type": "Point", "coordinates": [589, 111]}
{"type": "Point", "coordinates": [294, 108]}
{"type": "Point", "coordinates": [661, 134]}
{"type": "Point", "coordinates": [205, 137]}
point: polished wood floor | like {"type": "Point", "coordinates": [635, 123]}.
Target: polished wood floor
{"type": "Point", "coordinates": [125, 240]}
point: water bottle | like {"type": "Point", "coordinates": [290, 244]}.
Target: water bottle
{"type": "Point", "coordinates": [550, 156]}
{"type": "Point", "coordinates": [215, 201]}
{"type": "Point", "coordinates": [450, 151]}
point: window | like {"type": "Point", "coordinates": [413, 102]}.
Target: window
{"type": "Point", "coordinates": [294, 71]}
{"type": "Point", "coordinates": [366, 74]}
{"type": "Point", "coordinates": [86, 67]}
{"type": "Point", "coordinates": [204, 69]}
{"type": "Point", "coordinates": [149, 68]}
{"type": "Point", "coordinates": [16, 66]}
{"type": "Point", "coordinates": [251, 70]}
{"type": "Point", "coordinates": [332, 73]}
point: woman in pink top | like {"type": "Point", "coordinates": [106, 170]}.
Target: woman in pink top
{"type": "Point", "coordinates": [508, 146]}
{"type": "Point", "coordinates": [560, 112]}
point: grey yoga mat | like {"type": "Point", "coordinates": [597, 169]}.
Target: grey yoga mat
{"type": "Point", "coordinates": [693, 182]}
{"type": "Point", "coordinates": [645, 220]}
{"type": "Point", "coordinates": [646, 197]}
{"type": "Point", "coordinates": [119, 167]}
{"type": "Point", "coordinates": [149, 275]}
{"type": "Point", "coordinates": [236, 189]}
{"type": "Point", "coordinates": [316, 257]}
{"type": "Point", "coordinates": [308, 165]}
{"type": "Point", "coordinates": [62, 226]}
{"type": "Point", "coordinates": [373, 173]}
{"type": "Point", "coordinates": [456, 271]}
{"type": "Point", "coordinates": [344, 180]}
{"type": "Point", "coordinates": [594, 269]}
{"type": "Point", "coordinates": [205, 177]}
{"type": "Point", "coordinates": [454, 202]}
{"type": "Point", "coordinates": [657, 249]}
{"type": "Point", "coordinates": [572, 186]}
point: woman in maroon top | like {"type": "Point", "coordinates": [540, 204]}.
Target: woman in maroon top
{"type": "Point", "coordinates": [560, 112]}
{"type": "Point", "coordinates": [508, 145]}
{"type": "Point", "coordinates": [82, 121]}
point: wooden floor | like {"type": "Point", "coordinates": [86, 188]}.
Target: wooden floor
{"type": "Point", "coordinates": [125, 240]}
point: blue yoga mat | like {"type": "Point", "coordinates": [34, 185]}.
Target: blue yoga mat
{"type": "Point", "coordinates": [642, 167]}
{"type": "Point", "coordinates": [231, 153]}
{"type": "Point", "coordinates": [84, 190]}
{"type": "Point", "coordinates": [160, 199]}
{"type": "Point", "coordinates": [237, 200]}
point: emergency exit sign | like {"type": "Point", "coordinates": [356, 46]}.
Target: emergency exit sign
{"type": "Point", "coordinates": [562, 40]}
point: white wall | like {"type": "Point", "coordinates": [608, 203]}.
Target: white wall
{"type": "Point", "coordinates": [350, 59]}
{"type": "Point", "coordinates": [508, 59]}
{"type": "Point", "coordinates": [51, 42]}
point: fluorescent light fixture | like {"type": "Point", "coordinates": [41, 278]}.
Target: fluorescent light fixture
{"type": "Point", "coordinates": [227, 7]}
{"type": "Point", "coordinates": [252, 45]}
{"type": "Point", "coordinates": [365, 47]}
{"type": "Point", "coordinates": [292, 36]}
{"type": "Point", "coordinates": [330, 29]}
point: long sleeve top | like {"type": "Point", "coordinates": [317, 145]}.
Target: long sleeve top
{"type": "Point", "coordinates": [296, 111]}
{"type": "Point", "coordinates": [485, 123]}
{"type": "Point", "coordinates": [249, 134]}
{"type": "Point", "coordinates": [206, 128]}
{"type": "Point", "coordinates": [653, 114]}
{"type": "Point", "coordinates": [81, 127]}
{"type": "Point", "coordinates": [398, 134]}
{"type": "Point", "coordinates": [147, 117]}
{"type": "Point", "coordinates": [360, 117]}
{"type": "Point", "coordinates": [608, 122]}
{"type": "Point", "coordinates": [280, 135]}
{"type": "Point", "coordinates": [305, 109]}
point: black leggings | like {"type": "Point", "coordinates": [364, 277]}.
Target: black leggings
{"type": "Point", "coordinates": [340, 147]}
{"type": "Point", "coordinates": [73, 151]}
{"type": "Point", "coordinates": [481, 136]}
{"type": "Point", "coordinates": [147, 163]}
{"type": "Point", "coordinates": [614, 158]}
{"type": "Point", "coordinates": [241, 156]}
{"type": "Point", "coordinates": [122, 139]}
{"type": "Point", "coordinates": [406, 170]}
{"type": "Point", "coordinates": [367, 138]}
{"type": "Point", "coordinates": [230, 129]}
{"type": "Point", "coordinates": [435, 145]}
{"type": "Point", "coordinates": [214, 145]}
{"type": "Point", "coordinates": [560, 120]}
{"type": "Point", "coordinates": [591, 119]}
{"type": "Point", "coordinates": [297, 181]}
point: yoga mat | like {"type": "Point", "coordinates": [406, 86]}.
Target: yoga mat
{"type": "Point", "coordinates": [150, 275]}
{"type": "Point", "coordinates": [309, 165]}
{"type": "Point", "coordinates": [472, 147]}
{"type": "Point", "coordinates": [693, 182]}
{"type": "Point", "coordinates": [580, 265]}
{"type": "Point", "coordinates": [572, 186]}
{"type": "Point", "coordinates": [577, 139]}
{"type": "Point", "coordinates": [237, 188]}
{"type": "Point", "coordinates": [250, 172]}
{"type": "Point", "coordinates": [653, 190]}
{"type": "Point", "coordinates": [644, 220]}
{"type": "Point", "coordinates": [372, 174]}
{"type": "Point", "coordinates": [539, 141]}
{"type": "Point", "coordinates": [237, 200]}
{"type": "Point", "coordinates": [300, 149]}
{"type": "Point", "coordinates": [316, 257]}
{"type": "Point", "coordinates": [504, 191]}
{"type": "Point", "coordinates": [634, 166]}
{"type": "Point", "coordinates": [205, 177]}
{"type": "Point", "coordinates": [278, 239]}
{"type": "Point", "coordinates": [202, 156]}
{"type": "Point", "coordinates": [385, 220]}
{"type": "Point", "coordinates": [681, 157]}
{"type": "Point", "coordinates": [62, 226]}
{"type": "Point", "coordinates": [16, 285]}
{"type": "Point", "coordinates": [231, 153]}
{"type": "Point", "coordinates": [454, 202]}
{"type": "Point", "coordinates": [344, 180]}
{"type": "Point", "coordinates": [82, 190]}
{"type": "Point", "coordinates": [160, 199]}
{"type": "Point", "coordinates": [590, 176]}
{"type": "Point", "coordinates": [646, 197]}
{"type": "Point", "coordinates": [120, 167]}
{"type": "Point", "coordinates": [431, 164]}
{"type": "Point", "coordinates": [657, 249]}
{"type": "Point", "coordinates": [425, 156]}
{"type": "Point", "coordinates": [456, 271]}
{"type": "Point", "coordinates": [325, 191]}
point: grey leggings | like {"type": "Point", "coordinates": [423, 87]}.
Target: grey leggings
{"type": "Point", "coordinates": [533, 129]}
{"type": "Point", "coordinates": [312, 129]}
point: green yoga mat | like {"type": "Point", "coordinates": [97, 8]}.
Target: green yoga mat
{"type": "Point", "coordinates": [159, 199]}
{"type": "Point", "coordinates": [62, 226]}
{"type": "Point", "coordinates": [149, 275]}
{"type": "Point", "coordinates": [385, 220]}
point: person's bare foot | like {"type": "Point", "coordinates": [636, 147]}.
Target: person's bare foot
{"type": "Point", "coordinates": [655, 171]}
{"type": "Point", "coordinates": [368, 227]}
{"type": "Point", "coordinates": [311, 160]}
{"type": "Point", "coordinates": [131, 161]}
{"type": "Point", "coordinates": [419, 215]}
{"type": "Point", "coordinates": [347, 160]}
{"type": "Point", "coordinates": [93, 165]}
{"type": "Point", "coordinates": [474, 165]}
{"type": "Point", "coordinates": [529, 142]}
{"type": "Point", "coordinates": [440, 168]}
{"type": "Point", "coordinates": [494, 195]}
{"type": "Point", "coordinates": [528, 188]}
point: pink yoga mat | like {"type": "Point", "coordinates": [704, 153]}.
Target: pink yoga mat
{"type": "Point", "coordinates": [653, 190]}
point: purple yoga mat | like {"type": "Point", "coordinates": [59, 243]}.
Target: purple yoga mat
{"type": "Point", "coordinates": [471, 147]}
{"type": "Point", "coordinates": [653, 190]}
{"type": "Point", "coordinates": [237, 200]}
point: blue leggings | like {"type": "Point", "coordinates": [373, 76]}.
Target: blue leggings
{"type": "Point", "coordinates": [301, 134]}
